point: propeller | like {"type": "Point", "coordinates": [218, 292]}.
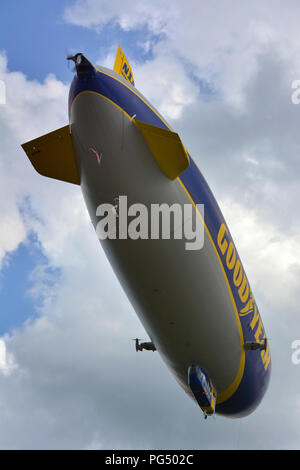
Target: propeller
{"type": "Point", "coordinates": [75, 58]}
{"type": "Point", "coordinates": [137, 340]}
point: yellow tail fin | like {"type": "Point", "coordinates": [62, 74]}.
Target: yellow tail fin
{"type": "Point", "coordinates": [122, 66]}
{"type": "Point", "coordinates": [52, 155]}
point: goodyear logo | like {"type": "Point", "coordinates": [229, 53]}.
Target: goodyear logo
{"type": "Point", "coordinates": [240, 283]}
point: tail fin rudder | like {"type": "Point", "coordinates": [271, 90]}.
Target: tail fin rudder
{"type": "Point", "coordinates": [53, 155]}
{"type": "Point", "coordinates": [122, 66]}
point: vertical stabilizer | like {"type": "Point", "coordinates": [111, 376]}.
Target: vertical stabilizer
{"type": "Point", "coordinates": [122, 66]}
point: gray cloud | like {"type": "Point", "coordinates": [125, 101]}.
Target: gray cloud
{"type": "Point", "coordinates": [251, 152]}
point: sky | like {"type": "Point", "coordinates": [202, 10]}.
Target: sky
{"type": "Point", "coordinates": [221, 73]}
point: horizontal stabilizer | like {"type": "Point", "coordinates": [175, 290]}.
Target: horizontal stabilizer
{"type": "Point", "coordinates": [166, 148]}
{"type": "Point", "coordinates": [52, 155]}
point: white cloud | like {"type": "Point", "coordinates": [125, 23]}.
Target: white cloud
{"type": "Point", "coordinates": [96, 14]}
{"type": "Point", "coordinates": [165, 81]}
{"type": "Point", "coordinates": [32, 109]}
{"type": "Point", "coordinates": [220, 47]}
{"type": "Point", "coordinates": [12, 230]}
{"type": "Point", "coordinates": [272, 259]}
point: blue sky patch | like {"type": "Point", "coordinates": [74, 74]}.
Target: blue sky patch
{"type": "Point", "coordinates": [17, 281]}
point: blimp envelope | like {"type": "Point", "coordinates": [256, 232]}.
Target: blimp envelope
{"type": "Point", "coordinates": [193, 299]}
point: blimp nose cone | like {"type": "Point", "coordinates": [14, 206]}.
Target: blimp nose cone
{"type": "Point", "coordinates": [84, 78]}
{"type": "Point", "coordinates": [83, 66]}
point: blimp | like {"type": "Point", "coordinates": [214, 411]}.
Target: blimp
{"type": "Point", "coordinates": [164, 235]}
